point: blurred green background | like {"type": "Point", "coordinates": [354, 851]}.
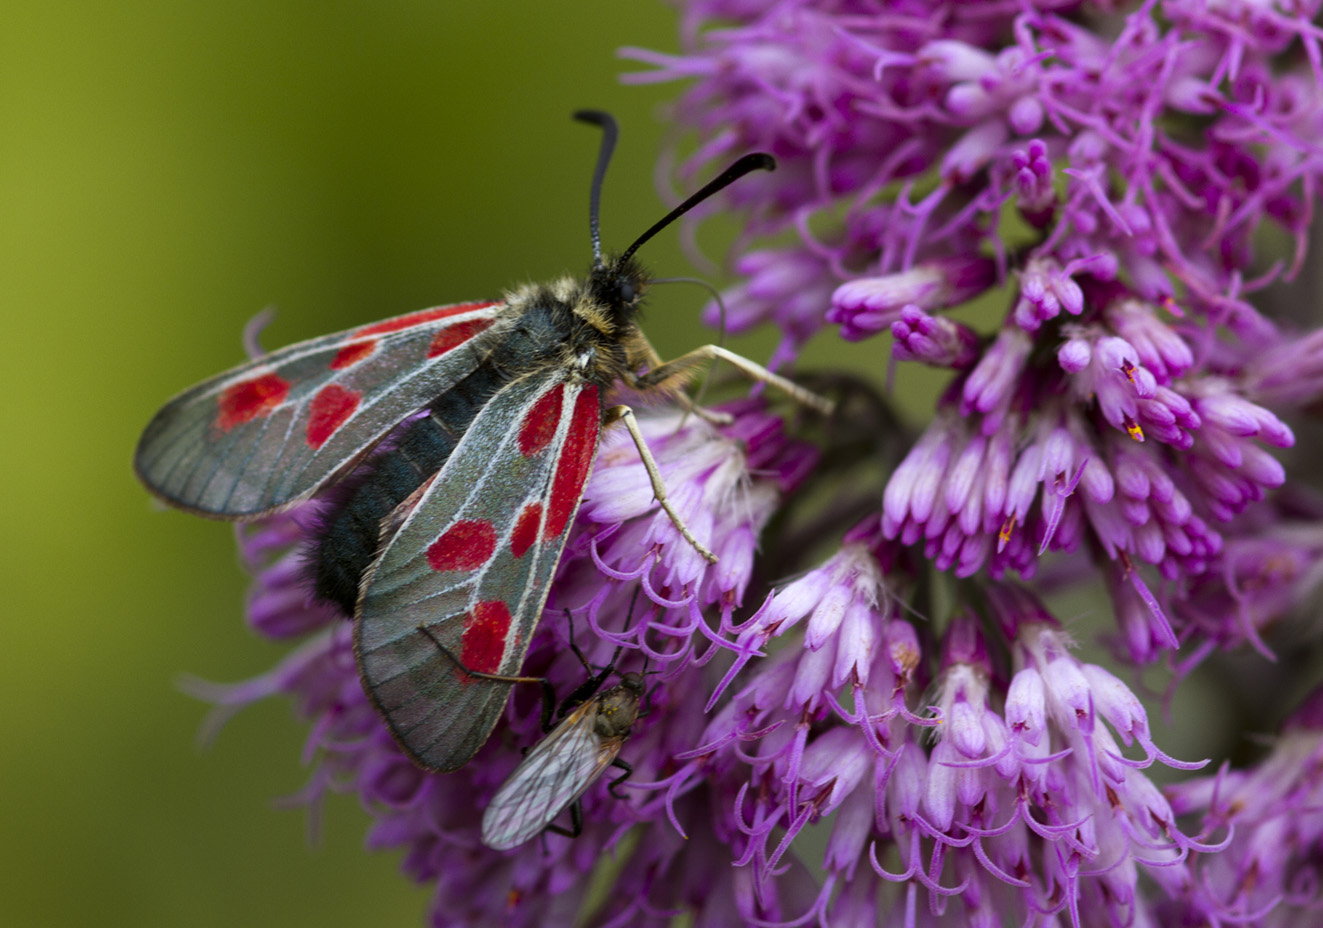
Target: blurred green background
{"type": "Point", "coordinates": [168, 170]}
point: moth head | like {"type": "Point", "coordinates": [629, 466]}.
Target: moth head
{"type": "Point", "coordinates": [618, 284]}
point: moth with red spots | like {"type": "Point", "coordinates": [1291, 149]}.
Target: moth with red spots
{"type": "Point", "coordinates": [463, 436]}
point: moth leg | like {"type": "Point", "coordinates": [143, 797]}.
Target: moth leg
{"type": "Point", "coordinates": [683, 400]}
{"type": "Point", "coordinates": [626, 414]}
{"type": "Point", "coordinates": [629, 771]}
{"type": "Point", "coordinates": [576, 822]}
{"type": "Point", "coordinates": [673, 373]}
{"type": "Point", "coordinates": [548, 693]}
{"type": "Point", "coordinates": [710, 416]}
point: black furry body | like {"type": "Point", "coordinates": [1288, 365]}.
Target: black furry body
{"type": "Point", "coordinates": [587, 325]}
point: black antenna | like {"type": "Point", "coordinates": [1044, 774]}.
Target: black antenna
{"type": "Point", "coordinates": [757, 161]}
{"type": "Point", "coordinates": [609, 134]}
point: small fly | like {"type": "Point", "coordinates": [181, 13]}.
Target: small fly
{"type": "Point", "coordinates": [593, 727]}
{"type": "Point", "coordinates": [563, 765]}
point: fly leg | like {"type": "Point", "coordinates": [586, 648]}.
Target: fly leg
{"type": "Point", "coordinates": [576, 822]}
{"type": "Point", "coordinates": [629, 771]}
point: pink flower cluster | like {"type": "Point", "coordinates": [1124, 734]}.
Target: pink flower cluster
{"type": "Point", "coordinates": [1129, 185]}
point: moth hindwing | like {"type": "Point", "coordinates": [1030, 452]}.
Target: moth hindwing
{"type": "Point", "coordinates": [462, 437]}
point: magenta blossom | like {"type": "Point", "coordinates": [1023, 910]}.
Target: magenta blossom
{"type": "Point", "coordinates": [1111, 176]}
{"type": "Point", "coordinates": [869, 710]}
{"type": "Point", "coordinates": [627, 581]}
{"type": "Point", "coordinates": [1267, 875]}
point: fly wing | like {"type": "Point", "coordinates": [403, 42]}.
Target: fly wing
{"type": "Point", "coordinates": [272, 431]}
{"type": "Point", "coordinates": [554, 774]}
{"type": "Point", "coordinates": [472, 564]}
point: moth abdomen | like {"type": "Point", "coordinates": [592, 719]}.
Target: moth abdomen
{"type": "Point", "coordinates": [351, 538]}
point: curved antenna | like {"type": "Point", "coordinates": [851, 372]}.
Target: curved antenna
{"type": "Point", "coordinates": [757, 161]}
{"type": "Point", "coordinates": [712, 291]}
{"type": "Point", "coordinates": [721, 332]}
{"type": "Point", "coordinates": [610, 131]}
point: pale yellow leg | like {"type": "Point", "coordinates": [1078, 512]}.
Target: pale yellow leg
{"type": "Point", "coordinates": [683, 400]}
{"type": "Point", "coordinates": [672, 373]}
{"type": "Point", "coordinates": [626, 414]}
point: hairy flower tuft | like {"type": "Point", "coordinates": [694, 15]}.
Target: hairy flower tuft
{"type": "Point", "coordinates": [1085, 219]}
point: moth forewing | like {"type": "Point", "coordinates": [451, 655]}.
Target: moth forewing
{"type": "Point", "coordinates": [562, 766]}
{"type": "Point", "coordinates": [468, 568]}
{"type": "Point", "coordinates": [272, 431]}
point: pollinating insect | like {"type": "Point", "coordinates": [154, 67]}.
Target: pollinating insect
{"type": "Point", "coordinates": [462, 437]}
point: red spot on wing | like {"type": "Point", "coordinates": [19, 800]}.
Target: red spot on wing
{"type": "Point", "coordinates": [576, 459]}
{"type": "Point", "coordinates": [525, 530]}
{"type": "Point", "coordinates": [352, 353]}
{"type": "Point", "coordinates": [453, 336]}
{"type": "Point", "coordinates": [539, 426]}
{"type": "Point", "coordinates": [486, 628]}
{"type": "Point", "coordinates": [420, 317]}
{"type": "Point", "coordinates": [249, 399]}
{"type": "Point", "coordinates": [332, 405]}
{"type": "Point", "coordinates": [466, 545]}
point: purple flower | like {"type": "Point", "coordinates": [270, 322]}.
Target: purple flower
{"type": "Point", "coordinates": [725, 481]}
{"type": "Point", "coordinates": [707, 473]}
{"type": "Point", "coordinates": [871, 304]}
{"type": "Point", "coordinates": [1121, 190]}
{"type": "Point", "coordinates": [784, 288]}
{"type": "Point", "coordinates": [1267, 819]}
{"type": "Point", "coordinates": [934, 340]}
{"type": "Point", "coordinates": [1107, 175]}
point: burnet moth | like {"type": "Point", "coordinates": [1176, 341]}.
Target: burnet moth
{"type": "Point", "coordinates": [463, 436]}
